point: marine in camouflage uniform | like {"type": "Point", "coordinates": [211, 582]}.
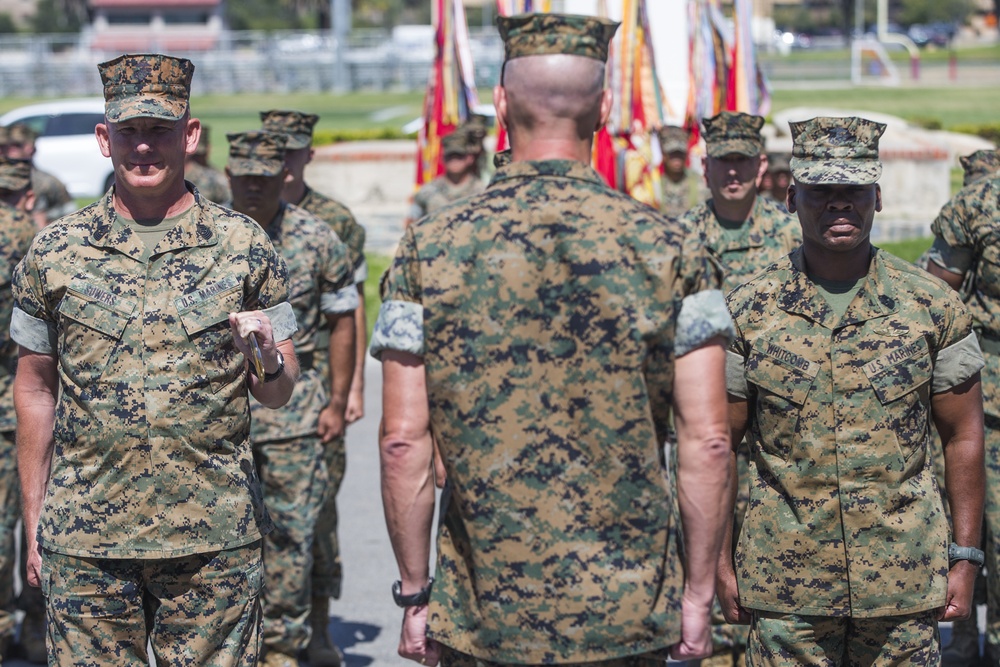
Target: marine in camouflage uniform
{"type": "Point", "coordinates": [747, 232]}
{"type": "Point", "coordinates": [682, 188]}
{"type": "Point", "coordinates": [842, 354]}
{"type": "Point", "coordinates": [52, 199]}
{"type": "Point", "coordinates": [132, 399]}
{"type": "Point", "coordinates": [779, 177]}
{"type": "Point", "coordinates": [965, 254]}
{"type": "Point", "coordinates": [459, 181]}
{"type": "Point", "coordinates": [212, 184]}
{"type": "Point", "coordinates": [541, 332]}
{"type": "Point", "coordinates": [288, 443]}
{"type": "Point", "coordinates": [327, 570]}
{"type": "Point", "coordinates": [16, 232]}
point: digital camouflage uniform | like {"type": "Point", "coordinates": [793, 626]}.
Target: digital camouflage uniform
{"type": "Point", "coordinates": [678, 197]}
{"type": "Point", "coordinates": [152, 475]}
{"type": "Point", "coordinates": [287, 447]}
{"type": "Point", "coordinates": [843, 556]}
{"type": "Point", "coordinates": [965, 233]}
{"type": "Point", "coordinates": [327, 568]}
{"type": "Point", "coordinates": [766, 237]}
{"type": "Point", "coordinates": [979, 165]}
{"type": "Point", "coordinates": [441, 192]}
{"type": "Point", "coordinates": [16, 232]}
{"type": "Point", "coordinates": [845, 521]}
{"type": "Point", "coordinates": [545, 312]}
{"type": "Point", "coordinates": [768, 234]}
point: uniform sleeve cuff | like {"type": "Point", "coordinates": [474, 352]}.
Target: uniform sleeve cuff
{"type": "Point", "coordinates": [32, 333]}
{"type": "Point", "coordinates": [956, 363]}
{"type": "Point", "coordinates": [283, 323]}
{"type": "Point", "coordinates": [703, 316]}
{"type": "Point", "coordinates": [736, 378]}
{"type": "Point", "coordinates": [342, 301]}
{"type": "Point", "coordinates": [400, 327]}
{"type": "Point", "coordinates": [361, 273]}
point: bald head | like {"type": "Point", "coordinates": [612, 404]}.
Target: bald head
{"type": "Point", "coordinates": [554, 93]}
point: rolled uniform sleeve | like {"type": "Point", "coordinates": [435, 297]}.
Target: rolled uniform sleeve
{"type": "Point", "coordinates": [339, 295]}
{"type": "Point", "coordinates": [703, 316]}
{"type": "Point", "coordinates": [32, 323]}
{"type": "Point", "coordinates": [400, 323]}
{"type": "Point", "coordinates": [956, 363]}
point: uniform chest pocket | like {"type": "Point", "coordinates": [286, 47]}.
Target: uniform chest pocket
{"type": "Point", "coordinates": [214, 359]}
{"type": "Point", "coordinates": [782, 380]}
{"type": "Point", "coordinates": [901, 371]}
{"type": "Point", "coordinates": [901, 382]}
{"type": "Point", "coordinates": [91, 333]}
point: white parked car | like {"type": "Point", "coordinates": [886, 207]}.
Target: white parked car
{"type": "Point", "coordinates": [66, 146]}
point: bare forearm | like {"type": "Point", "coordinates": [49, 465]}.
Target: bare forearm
{"type": "Point", "coordinates": [408, 498]}
{"type": "Point", "coordinates": [958, 415]}
{"type": "Point", "coordinates": [342, 359]}
{"type": "Point", "coordinates": [360, 341]}
{"type": "Point", "coordinates": [35, 392]}
{"type": "Point", "coordinates": [406, 452]}
{"type": "Point", "coordinates": [703, 460]}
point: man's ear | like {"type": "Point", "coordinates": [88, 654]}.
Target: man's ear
{"type": "Point", "coordinates": [878, 198]}
{"type": "Point", "coordinates": [103, 135]}
{"type": "Point", "coordinates": [790, 198]}
{"type": "Point", "coordinates": [500, 104]}
{"type": "Point", "coordinates": [192, 133]}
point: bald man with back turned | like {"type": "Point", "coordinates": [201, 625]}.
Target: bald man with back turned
{"type": "Point", "coordinates": [544, 331]}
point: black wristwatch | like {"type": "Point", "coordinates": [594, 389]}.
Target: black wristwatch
{"type": "Point", "coordinates": [971, 554]}
{"type": "Point", "coordinates": [416, 599]}
{"type": "Point", "coordinates": [271, 377]}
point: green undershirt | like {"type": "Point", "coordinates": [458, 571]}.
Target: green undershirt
{"type": "Point", "coordinates": [838, 293]}
{"type": "Point", "coordinates": [151, 232]}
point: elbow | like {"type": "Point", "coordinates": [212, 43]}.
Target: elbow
{"type": "Point", "coordinates": [707, 454]}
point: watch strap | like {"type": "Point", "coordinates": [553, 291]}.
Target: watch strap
{"type": "Point", "coordinates": [971, 554]}
{"type": "Point", "coordinates": [421, 597]}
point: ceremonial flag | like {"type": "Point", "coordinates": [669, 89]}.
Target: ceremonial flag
{"type": "Point", "coordinates": [451, 87]}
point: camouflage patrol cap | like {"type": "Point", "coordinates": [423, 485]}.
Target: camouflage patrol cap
{"type": "Point", "coordinates": [673, 139]}
{"type": "Point", "coordinates": [778, 161]}
{"type": "Point", "coordinates": [296, 125]}
{"type": "Point", "coordinates": [829, 150]}
{"type": "Point", "coordinates": [457, 143]}
{"type": "Point", "coordinates": [256, 153]}
{"type": "Point", "coordinates": [148, 85]}
{"type": "Point", "coordinates": [979, 164]}
{"type": "Point", "coordinates": [551, 34]}
{"type": "Point", "coordinates": [14, 174]}
{"type": "Point", "coordinates": [733, 132]}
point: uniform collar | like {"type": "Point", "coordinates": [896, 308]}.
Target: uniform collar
{"type": "Point", "coordinates": [121, 237]}
{"type": "Point", "coordinates": [535, 168]}
{"type": "Point", "coordinates": [799, 295]}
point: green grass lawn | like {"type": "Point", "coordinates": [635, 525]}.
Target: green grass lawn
{"type": "Point", "coordinates": [909, 249]}
{"type": "Point", "coordinates": [377, 264]}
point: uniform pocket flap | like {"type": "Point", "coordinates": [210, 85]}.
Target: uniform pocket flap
{"type": "Point", "coordinates": [97, 309]}
{"type": "Point", "coordinates": [209, 306]}
{"type": "Point", "coordinates": [781, 372]}
{"type": "Point", "coordinates": [902, 370]}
